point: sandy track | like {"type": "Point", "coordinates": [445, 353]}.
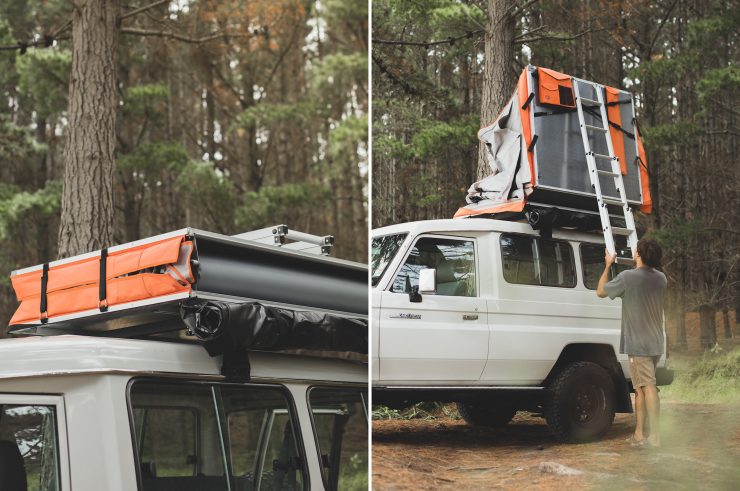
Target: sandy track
{"type": "Point", "coordinates": [701, 450]}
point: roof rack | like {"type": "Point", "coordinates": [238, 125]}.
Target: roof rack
{"type": "Point", "coordinates": [281, 235]}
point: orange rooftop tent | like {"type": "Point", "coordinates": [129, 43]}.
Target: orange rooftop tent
{"type": "Point", "coordinates": [538, 157]}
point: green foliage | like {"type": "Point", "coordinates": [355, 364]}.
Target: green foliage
{"type": "Point", "coordinates": [284, 204]}
{"type": "Point", "coordinates": [148, 161]}
{"type": "Point", "coordinates": [677, 234]}
{"type": "Point", "coordinates": [16, 143]}
{"type": "Point", "coordinates": [721, 84]}
{"type": "Point", "coordinates": [266, 114]}
{"type": "Point", "coordinates": [348, 137]}
{"type": "Point", "coordinates": [338, 70]}
{"type": "Point", "coordinates": [201, 185]}
{"type": "Point", "coordinates": [713, 379]}
{"type": "Point", "coordinates": [18, 209]}
{"type": "Point", "coordinates": [44, 75]}
{"type": "Point", "coordinates": [420, 410]}
{"type": "Point", "coordinates": [667, 135]}
{"type": "Point", "coordinates": [145, 98]}
{"type": "Point", "coordinates": [435, 136]}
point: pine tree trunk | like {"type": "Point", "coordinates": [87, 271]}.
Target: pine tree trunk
{"type": "Point", "coordinates": [708, 327]}
{"type": "Point", "coordinates": [498, 79]}
{"type": "Point", "coordinates": [89, 154]}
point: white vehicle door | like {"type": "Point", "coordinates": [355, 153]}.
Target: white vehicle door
{"type": "Point", "coordinates": [444, 338]}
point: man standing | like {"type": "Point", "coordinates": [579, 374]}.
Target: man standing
{"type": "Point", "coordinates": [641, 290]}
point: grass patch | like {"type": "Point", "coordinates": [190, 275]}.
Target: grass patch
{"type": "Point", "coordinates": [420, 410]}
{"type": "Point", "coordinates": [713, 378]}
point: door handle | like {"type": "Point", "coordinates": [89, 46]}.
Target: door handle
{"type": "Point", "coordinates": [470, 317]}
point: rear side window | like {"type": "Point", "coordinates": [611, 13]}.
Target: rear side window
{"type": "Point", "coordinates": [215, 436]}
{"type": "Point", "coordinates": [592, 262]}
{"type": "Point", "coordinates": [536, 261]}
{"type": "Point", "coordinates": [454, 260]}
{"type": "Point", "coordinates": [29, 447]}
{"type": "Point", "coordinates": [341, 425]}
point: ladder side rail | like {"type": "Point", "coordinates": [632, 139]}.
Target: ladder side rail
{"type": "Point", "coordinates": [593, 174]}
{"type": "Point", "coordinates": [617, 174]}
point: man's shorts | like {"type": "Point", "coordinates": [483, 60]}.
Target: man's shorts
{"type": "Point", "coordinates": [642, 370]}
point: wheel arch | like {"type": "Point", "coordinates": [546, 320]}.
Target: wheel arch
{"type": "Point", "coordinates": [602, 355]}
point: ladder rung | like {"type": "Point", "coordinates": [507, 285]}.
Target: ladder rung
{"type": "Point", "coordinates": [601, 156]}
{"type": "Point", "coordinates": [607, 173]}
{"type": "Point", "coordinates": [589, 101]}
{"type": "Point", "coordinates": [627, 261]}
{"type": "Point", "coordinates": [622, 231]}
{"type": "Point", "coordinates": [596, 128]}
{"type": "Point", "coordinates": [612, 201]}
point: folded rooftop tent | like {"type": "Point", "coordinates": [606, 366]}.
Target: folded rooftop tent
{"type": "Point", "coordinates": [144, 282]}
{"type": "Point", "coordinates": [537, 154]}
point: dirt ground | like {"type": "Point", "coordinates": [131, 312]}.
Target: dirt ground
{"type": "Point", "coordinates": [701, 450]}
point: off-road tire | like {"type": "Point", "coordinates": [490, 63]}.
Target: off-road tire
{"type": "Point", "coordinates": [581, 402]}
{"type": "Point", "coordinates": [491, 415]}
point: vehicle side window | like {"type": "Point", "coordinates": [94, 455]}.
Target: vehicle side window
{"type": "Point", "coordinates": [454, 260]}
{"type": "Point", "coordinates": [29, 447]}
{"type": "Point", "coordinates": [537, 261]}
{"type": "Point", "coordinates": [215, 436]}
{"type": "Point", "coordinates": [592, 262]}
{"type": "Point", "coordinates": [167, 439]}
{"type": "Point", "coordinates": [341, 425]}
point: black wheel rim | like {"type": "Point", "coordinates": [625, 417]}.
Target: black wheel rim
{"type": "Point", "coordinates": [588, 404]}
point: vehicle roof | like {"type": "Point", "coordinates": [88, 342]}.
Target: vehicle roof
{"type": "Point", "coordinates": [456, 225]}
{"type": "Point", "coordinates": [70, 354]}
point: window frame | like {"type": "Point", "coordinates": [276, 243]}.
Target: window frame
{"type": "Point", "coordinates": [61, 427]}
{"type": "Point", "coordinates": [537, 258]}
{"type": "Point", "coordinates": [583, 269]}
{"type": "Point", "coordinates": [365, 408]}
{"type": "Point", "coordinates": [476, 260]}
{"type": "Point", "coordinates": [291, 406]}
{"type": "Point", "coordinates": [388, 265]}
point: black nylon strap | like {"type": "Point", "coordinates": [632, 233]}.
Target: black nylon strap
{"type": "Point", "coordinates": [102, 303]}
{"type": "Point", "coordinates": [529, 99]}
{"type": "Point", "coordinates": [540, 114]}
{"type": "Point", "coordinates": [44, 282]}
{"type": "Point", "coordinates": [616, 103]}
{"type": "Point", "coordinates": [532, 144]}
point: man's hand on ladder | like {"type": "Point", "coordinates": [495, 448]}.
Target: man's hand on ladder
{"type": "Point", "coordinates": [609, 258]}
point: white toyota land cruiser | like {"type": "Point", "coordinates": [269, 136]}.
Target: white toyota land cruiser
{"type": "Point", "coordinates": [491, 315]}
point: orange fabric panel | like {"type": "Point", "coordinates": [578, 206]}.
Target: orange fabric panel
{"type": "Point", "coordinates": [143, 257]}
{"type": "Point", "coordinates": [82, 298]}
{"type": "Point", "coordinates": [515, 206]}
{"type": "Point", "coordinates": [647, 200]}
{"type": "Point", "coordinates": [555, 88]}
{"type": "Point", "coordinates": [523, 93]}
{"type": "Point", "coordinates": [614, 114]}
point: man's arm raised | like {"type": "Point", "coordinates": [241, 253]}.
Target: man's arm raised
{"type": "Point", "coordinates": [608, 261]}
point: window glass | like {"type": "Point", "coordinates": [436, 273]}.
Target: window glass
{"type": "Point", "coordinates": [592, 261]}
{"type": "Point", "coordinates": [537, 261]}
{"type": "Point", "coordinates": [210, 436]}
{"type": "Point", "coordinates": [384, 249]}
{"type": "Point", "coordinates": [454, 260]}
{"type": "Point", "coordinates": [29, 447]}
{"type": "Point", "coordinates": [341, 426]}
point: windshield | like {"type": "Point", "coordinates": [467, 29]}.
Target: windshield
{"type": "Point", "coordinates": [384, 250]}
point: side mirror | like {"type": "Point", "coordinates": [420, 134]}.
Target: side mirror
{"type": "Point", "coordinates": [428, 281]}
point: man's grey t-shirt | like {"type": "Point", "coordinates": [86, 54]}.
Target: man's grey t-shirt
{"type": "Point", "coordinates": [642, 310]}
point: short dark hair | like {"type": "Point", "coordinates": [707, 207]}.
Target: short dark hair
{"type": "Point", "coordinates": [650, 252]}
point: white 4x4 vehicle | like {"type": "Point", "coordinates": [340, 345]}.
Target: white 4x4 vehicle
{"type": "Point", "coordinates": [188, 361]}
{"type": "Point", "coordinates": [489, 314]}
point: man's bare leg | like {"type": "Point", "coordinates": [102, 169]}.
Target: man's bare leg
{"type": "Point", "coordinates": [640, 414]}
{"type": "Point", "coordinates": [652, 404]}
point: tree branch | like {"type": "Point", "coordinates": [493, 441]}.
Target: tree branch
{"type": "Point", "coordinates": [180, 37]}
{"type": "Point", "coordinates": [520, 40]}
{"type": "Point", "coordinates": [144, 9]}
{"type": "Point", "coordinates": [426, 44]}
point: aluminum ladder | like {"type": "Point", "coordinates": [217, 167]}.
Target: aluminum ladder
{"type": "Point", "coordinates": [594, 173]}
